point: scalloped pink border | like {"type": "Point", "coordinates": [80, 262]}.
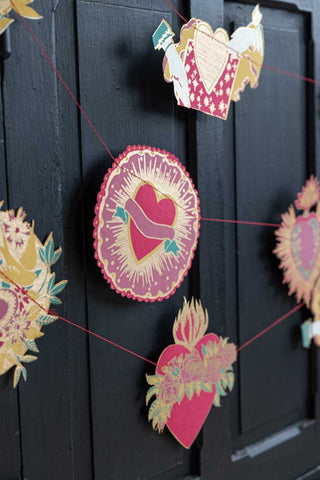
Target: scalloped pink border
{"type": "Point", "coordinates": [116, 164]}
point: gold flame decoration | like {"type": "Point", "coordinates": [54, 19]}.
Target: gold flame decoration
{"type": "Point", "coordinates": [191, 324]}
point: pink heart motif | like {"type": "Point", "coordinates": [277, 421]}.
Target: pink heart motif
{"type": "Point", "coordinates": [162, 212]}
{"type": "Point", "coordinates": [305, 245]}
{"type": "Point", "coordinates": [3, 308]}
{"type": "Point", "coordinates": [187, 418]}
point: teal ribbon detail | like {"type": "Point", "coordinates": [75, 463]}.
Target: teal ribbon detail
{"type": "Point", "coordinates": [171, 246]}
{"type": "Point", "coordinates": [121, 213]}
{"type": "Point", "coordinates": [306, 339]}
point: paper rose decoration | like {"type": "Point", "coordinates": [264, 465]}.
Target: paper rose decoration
{"type": "Point", "coordinates": [191, 376]}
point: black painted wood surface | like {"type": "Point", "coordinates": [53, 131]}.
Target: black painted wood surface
{"type": "Point", "coordinates": [81, 414]}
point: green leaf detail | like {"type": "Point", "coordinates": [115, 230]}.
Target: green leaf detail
{"type": "Point", "coordinates": [207, 387]}
{"type": "Point", "coordinates": [216, 400]}
{"type": "Point", "coordinates": [31, 345]}
{"type": "Point", "coordinates": [180, 393]}
{"type": "Point", "coordinates": [46, 319]}
{"type": "Point", "coordinates": [24, 373]}
{"type": "Point", "coordinates": [152, 391]}
{"type": "Point", "coordinates": [56, 256]}
{"type": "Point", "coordinates": [55, 300]}
{"type": "Point", "coordinates": [16, 376]}
{"type": "Point", "coordinates": [220, 389]}
{"type": "Point", "coordinates": [189, 390]}
{"type": "Point", "coordinates": [51, 282]}
{"type": "Point", "coordinates": [58, 287]}
{"type": "Point", "coordinates": [49, 251]}
{"type": "Point", "coordinates": [42, 255]}
{"type": "Point", "coordinates": [154, 410]}
{"type": "Point", "coordinates": [230, 380]}
{"type": "Point", "coordinates": [29, 358]}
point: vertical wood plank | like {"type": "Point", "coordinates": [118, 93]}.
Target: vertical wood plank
{"type": "Point", "coordinates": [10, 466]}
{"type": "Point", "coordinates": [124, 94]}
{"type": "Point", "coordinates": [45, 178]}
{"type": "Point", "coordinates": [210, 172]}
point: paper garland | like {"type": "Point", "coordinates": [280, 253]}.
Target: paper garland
{"type": "Point", "coordinates": [298, 248]}
{"type": "Point", "coordinates": [22, 9]}
{"type": "Point", "coordinates": [191, 375]}
{"type": "Point", "coordinates": [147, 224]}
{"type": "Point", "coordinates": [26, 262]}
{"type": "Point", "coordinates": [207, 69]}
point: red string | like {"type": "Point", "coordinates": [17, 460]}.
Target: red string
{"type": "Point", "coordinates": [244, 222]}
{"type": "Point", "coordinates": [265, 330]}
{"type": "Point", "coordinates": [102, 338]}
{"type": "Point", "coordinates": [178, 13]}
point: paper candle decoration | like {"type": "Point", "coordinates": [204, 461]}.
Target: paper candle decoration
{"type": "Point", "coordinates": [207, 69]}
{"type": "Point", "coordinates": [147, 224]}
{"type": "Point", "coordinates": [191, 375]}
{"type": "Point", "coordinates": [21, 6]}
{"type": "Point", "coordinates": [25, 274]}
{"type": "Point", "coordinates": [298, 248]}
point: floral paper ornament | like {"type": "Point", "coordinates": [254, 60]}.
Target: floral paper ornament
{"type": "Point", "coordinates": [147, 224]}
{"type": "Point", "coordinates": [21, 7]}
{"type": "Point", "coordinates": [298, 248]}
{"type": "Point", "coordinates": [191, 376]}
{"type": "Point", "coordinates": [208, 69]}
{"type": "Point", "coordinates": [27, 287]}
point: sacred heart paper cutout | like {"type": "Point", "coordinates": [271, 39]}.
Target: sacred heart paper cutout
{"type": "Point", "coordinates": [191, 375]}
{"type": "Point", "coordinates": [21, 7]}
{"type": "Point", "coordinates": [147, 224]}
{"type": "Point", "coordinates": [158, 211]}
{"type": "Point", "coordinates": [298, 248]}
{"type": "Point", "coordinates": [208, 69]}
{"type": "Point", "coordinates": [27, 287]}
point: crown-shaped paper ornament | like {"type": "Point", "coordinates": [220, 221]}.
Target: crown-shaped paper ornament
{"type": "Point", "coordinates": [208, 69]}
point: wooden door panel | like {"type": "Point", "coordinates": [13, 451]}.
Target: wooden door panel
{"type": "Point", "coordinates": [81, 414]}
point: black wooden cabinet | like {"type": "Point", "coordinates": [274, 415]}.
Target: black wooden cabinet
{"type": "Point", "coordinates": [81, 415]}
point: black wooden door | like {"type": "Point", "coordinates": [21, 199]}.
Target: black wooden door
{"type": "Point", "coordinates": [81, 414]}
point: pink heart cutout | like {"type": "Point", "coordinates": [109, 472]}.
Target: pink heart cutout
{"type": "Point", "coordinates": [305, 245]}
{"type": "Point", "coordinates": [3, 308]}
{"type": "Point", "coordinates": [161, 212]}
{"type": "Point", "coordinates": [187, 418]}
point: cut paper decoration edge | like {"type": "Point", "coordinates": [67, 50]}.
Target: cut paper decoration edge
{"type": "Point", "coordinates": [208, 69]}
{"type": "Point", "coordinates": [20, 6]}
{"type": "Point", "coordinates": [164, 232]}
{"type": "Point", "coordinates": [25, 275]}
{"type": "Point", "coordinates": [298, 249]}
{"type": "Point", "coordinates": [191, 375]}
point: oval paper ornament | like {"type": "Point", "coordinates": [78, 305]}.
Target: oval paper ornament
{"type": "Point", "coordinates": [191, 376]}
{"type": "Point", "coordinates": [298, 248]}
{"type": "Point", "coordinates": [147, 224]}
{"type": "Point", "coordinates": [208, 69]}
{"type": "Point", "coordinates": [27, 287]}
